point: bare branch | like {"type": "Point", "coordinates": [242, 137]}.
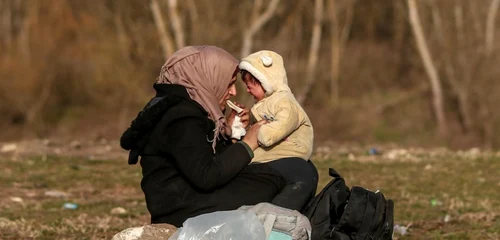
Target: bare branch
{"type": "Point", "coordinates": [256, 25]}
{"type": "Point", "coordinates": [264, 18]}
{"type": "Point", "coordinates": [257, 6]}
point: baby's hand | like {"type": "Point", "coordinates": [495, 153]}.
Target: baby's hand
{"type": "Point", "coordinates": [244, 115]}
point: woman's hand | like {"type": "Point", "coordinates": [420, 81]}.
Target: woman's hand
{"type": "Point", "coordinates": [244, 116]}
{"type": "Point", "coordinates": [251, 137]}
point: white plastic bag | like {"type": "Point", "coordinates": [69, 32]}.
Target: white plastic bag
{"type": "Point", "coordinates": [222, 225]}
{"type": "Point", "coordinates": [238, 131]}
{"type": "Point", "coordinates": [237, 128]}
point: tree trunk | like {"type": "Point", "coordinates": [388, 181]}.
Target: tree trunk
{"type": "Point", "coordinates": [24, 32]}
{"type": "Point", "coordinates": [194, 18]}
{"type": "Point", "coordinates": [463, 88]}
{"type": "Point", "coordinates": [457, 85]}
{"type": "Point", "coordinates": [490, 25]}
{"type": "Point", "coordinates": [176, 24]}
{"type": "Point", "coordinates": [430, 68]}
{"type": "Point", "coordinates": [6, 30]}
{"type": "Point", "coordinates": [339, 38]}
{"type": "Point", "coordinates": [313, 51]}
{"type": "Point", "coordinates": [476, 21]}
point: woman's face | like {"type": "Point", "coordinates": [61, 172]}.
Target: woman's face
{"type": "Point", "coordinates": [229, 93]}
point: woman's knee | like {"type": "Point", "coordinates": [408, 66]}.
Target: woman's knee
{"type": "Point", "coordinates": [314, 171]}
{"type": "Point", "coordinates": [308, 173]}
{"type": "Point", "coordinates": [296, 169]}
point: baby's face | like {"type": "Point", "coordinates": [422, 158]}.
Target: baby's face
{"type": "Point", "coordinates": [254, 87]}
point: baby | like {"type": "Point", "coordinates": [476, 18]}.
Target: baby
{"type": "Point", "coordinates": [289, 132]}
{"type": "Point", "coordinates": [286, 141]}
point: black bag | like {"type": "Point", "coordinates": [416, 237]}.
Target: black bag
{"type": "Point", "coordinates": [327, 207]}
{"type": "Point", "coordinates": [342, 214]}
{"type": "Point", "coordinates": [137, 135]}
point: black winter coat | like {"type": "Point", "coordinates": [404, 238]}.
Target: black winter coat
{"type": "Point", "coordinates": [182, 177]}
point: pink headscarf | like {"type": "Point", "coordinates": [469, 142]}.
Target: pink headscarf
{"type": "Point", "coordinates": [205, 71]}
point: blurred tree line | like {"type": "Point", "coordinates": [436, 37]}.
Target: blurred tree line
{"type": "Point", "coordinates": [416, 71]}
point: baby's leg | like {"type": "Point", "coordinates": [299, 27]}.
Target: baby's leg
{"type": "Point", "coordinates": [302, 180]}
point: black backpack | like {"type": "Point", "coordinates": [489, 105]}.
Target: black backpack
{"type": "Point", "coordinates": [137, 135]}
{"type": "Point", "coordinates": [338, 213]}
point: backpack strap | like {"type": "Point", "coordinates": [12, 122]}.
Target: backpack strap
{"type": "Point", "coordinates": [385, 231]}
{"type": "Point", "coordinates": [334, 173]}
{"type": "Point", "coordinates": [367, 220]}
{"type": "Point", "coordinates": [380, 210]}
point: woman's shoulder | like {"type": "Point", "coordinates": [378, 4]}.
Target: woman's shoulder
{"type": "Point", "coordinates": [181, 117]}
{"type": "Point", "coordinates": [184, 109]}
{"type": "Point", "coordinates": [184, 106]}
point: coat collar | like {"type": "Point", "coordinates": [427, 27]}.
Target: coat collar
{"type": "Point", "coordinates": [163, 90]}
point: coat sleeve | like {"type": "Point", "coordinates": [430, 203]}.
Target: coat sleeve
{"type": "Point", "coordinates": [192, 153]}
{"type": "Point", "coordinates": [286, 120]}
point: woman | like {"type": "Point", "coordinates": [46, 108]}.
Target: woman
{"type": "Point", "coordinates": [189, 165]}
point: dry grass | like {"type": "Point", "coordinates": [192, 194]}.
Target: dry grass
{"type": "Point", "coordinates": [464, 192]}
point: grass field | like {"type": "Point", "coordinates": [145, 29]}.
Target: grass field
{"type": "Point", "coordinates": [436, 197]}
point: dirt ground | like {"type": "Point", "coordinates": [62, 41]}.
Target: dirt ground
{"type": "Point", "coordinates": [84, 189]}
